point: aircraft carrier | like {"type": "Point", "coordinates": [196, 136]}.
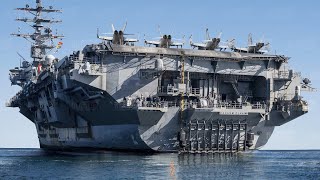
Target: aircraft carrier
{"type": "Point", "coordinates": [160, 97]}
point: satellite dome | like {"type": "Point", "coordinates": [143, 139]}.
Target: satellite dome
{"type": "Point", "coordinates": [49, 59]}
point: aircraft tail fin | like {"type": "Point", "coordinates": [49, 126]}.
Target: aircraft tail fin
{"type": "Point", "coordinates": [125, 26]}
{"type": "Point", "coordinates": [219, 35]}
{"type": "Point", "coordinates": [113, 29]}
{"type": "Point", "coordinates": [231, 43]}
{"type": "Point", "coordinates": [98, 33]}
{"type": "Point", "coordinates": [250, 39]}
{"type": "Point", "coordinates": [207, 34]}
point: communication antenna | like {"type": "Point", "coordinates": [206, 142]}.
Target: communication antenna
{"type": "Point", "coordinates": [42, 38]}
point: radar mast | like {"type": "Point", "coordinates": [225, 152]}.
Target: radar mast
{"type": "Point", "coordinates": [42, 40]}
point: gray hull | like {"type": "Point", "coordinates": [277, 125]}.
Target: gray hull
{"type": "Point", "coordinates": [160, 136]}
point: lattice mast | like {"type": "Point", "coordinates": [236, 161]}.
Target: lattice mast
{"type": "Point", "coordinates": [42, 40]}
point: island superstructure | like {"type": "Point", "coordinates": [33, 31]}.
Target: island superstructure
{"type": "Point", "coordinates": [115, 95]}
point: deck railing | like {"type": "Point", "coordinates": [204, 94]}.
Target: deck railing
{"type": "Point", "coordinates": [174, 90]}
{"type": "Point", "coordinates": [185, 105]}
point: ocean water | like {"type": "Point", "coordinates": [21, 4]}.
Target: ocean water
{"type": "Point", "coordinates": [37, 164]}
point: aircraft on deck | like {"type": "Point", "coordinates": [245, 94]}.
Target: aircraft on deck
{"type": "Point", "coordinates": [118, 36]}
{"type": "Point", "coordinates": [211, 43]}
{"type": "Point", "coordinates": [165, 41]}
{"type": "Point", "coordinates": [257, 48]}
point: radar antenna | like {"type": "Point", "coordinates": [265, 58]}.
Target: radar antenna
{"type": "Point", "coordinates": [42, 38]}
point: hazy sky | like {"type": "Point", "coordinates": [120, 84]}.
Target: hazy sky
{"type": "Point", "coordinates": [292, 28]}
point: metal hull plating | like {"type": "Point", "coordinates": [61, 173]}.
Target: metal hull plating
{"type": "Point", "coordinates": [160, 137]}
{"type": "Point", "coordinates": [117, 137]}
{"type": "Point", "coordinates": [143, 128]}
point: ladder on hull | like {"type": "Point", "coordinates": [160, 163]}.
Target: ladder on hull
{"type": "Point", "coordinates": [212, 136]}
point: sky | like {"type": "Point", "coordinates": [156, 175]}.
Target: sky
{"type": "Point", "coordinates": [292, 28]}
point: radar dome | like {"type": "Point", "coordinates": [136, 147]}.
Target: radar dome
{"type": "Point", "coordinates": [49, 59]}
{"type": "Point", "coordinates": [159, 64]}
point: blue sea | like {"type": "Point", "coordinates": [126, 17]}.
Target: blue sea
{"type": "Point", "coordinates": [37, 164]}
